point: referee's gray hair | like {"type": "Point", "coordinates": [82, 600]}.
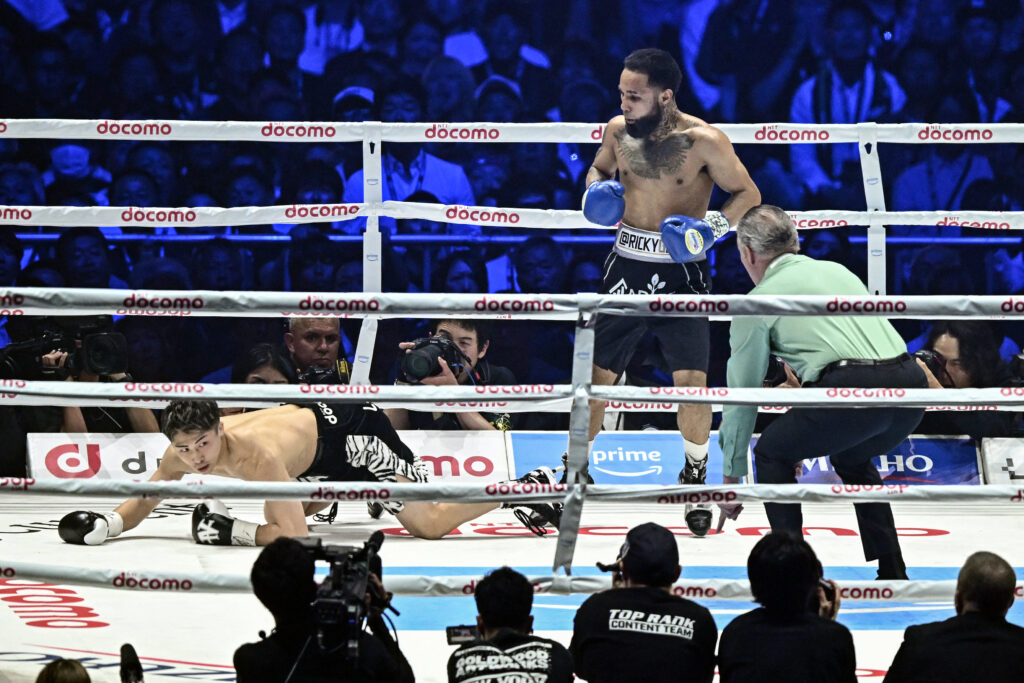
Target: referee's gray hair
{"type": "Point", "coordinates": [768, 230]}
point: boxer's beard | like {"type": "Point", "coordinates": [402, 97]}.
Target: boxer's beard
{"type": "Point", "coordinates": [643, 127]}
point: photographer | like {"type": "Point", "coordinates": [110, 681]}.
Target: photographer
{"type": "Point", "coordinates": [794, 635]}
{"type": "Point", "coordinates": [961, 354]}
{"type": "Point", "coordinates": [452, 355]}
{"type": "Point", "coordinates": [639, 630]}
{"type": "Point", "coordinates": [506, 650]}
{"type": "Point", "coordinates": [282, 579]}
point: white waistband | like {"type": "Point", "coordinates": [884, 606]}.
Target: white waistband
{"type": "Point", "coordinates": [641, 245]}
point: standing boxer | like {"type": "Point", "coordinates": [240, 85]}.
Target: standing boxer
{"type": "Point", "coordinates": [667, 164]}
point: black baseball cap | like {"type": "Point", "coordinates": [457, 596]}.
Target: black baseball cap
{"type": "Point", "coordinates": [649, 555]}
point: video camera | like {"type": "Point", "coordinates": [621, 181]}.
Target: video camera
{"type": "Point", "coordinates": [340, 606]}
{"type": "Point", "coordinates": [338, 373]}
{"type": "Point", "coordinates": [88, 341]}
{"type": "Point", "coordinates": [422, 359]}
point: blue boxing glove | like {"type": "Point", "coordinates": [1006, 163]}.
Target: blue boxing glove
{"type": "Point", "coordinates": [604, 203]}
{"type": "Point", "coordinates": [687, 238]}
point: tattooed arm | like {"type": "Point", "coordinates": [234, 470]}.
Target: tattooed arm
{"type": "Point", "coordinates": [727, 171]}
{"type": "Point", "coordinates": [605, 164]}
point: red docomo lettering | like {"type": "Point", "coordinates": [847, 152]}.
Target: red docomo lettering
{"type": "Point", "coordinates": [11, 311]}
{"type": "Point", "coordinates": [471, 404]}
{"type": "Point", "coordinates": [774, 133]}
{"type": "Point", "coordinates": [817, 222]}
{"type": "Point", "coordinates": [507, 488]}
{"type": "Point", "coordinates": [23, 483]}
{"type": "Point", "coordinates": [720, 392]}
{"type": "Point", "coordinates": [516, 389]}
{"type": "Point", "coordinates": [13, 383]}
{"type": "Point", "coordinates": [1012, 391]}
{"type": "Point", "coordinates": [15, 213]}
{"type": "Point", "coordinates": [142, 303]}
{"type": "Point", "coordinates": [843, 392]}
{"type": "Point", "coordinates": [363, 494]}
{"type": "Point", "coordinates": [694, 591]}
{"type": "Point", "coordinates": [517, 306]}
{"type": "Point", "coordinates": [3, 126]}
{"type": "Point", "coordinates": [470, 588]}
{"type": "Point", "coordinates": [338, 389]}
{"type": "Point", "coordinates": [698, 497]}
{"type": "Point", "coordinates": [321, 211]}
{"type": "Point", "coordinates": [869, 306]}
{"type": "Point", "coordinates": [176, 216]}
{"type": "Point", "coordinates": [619, 405]}
{"type": "Point", "coordinates": [956, 134]}
{"type": "Point", "coordinates": [276, 130]}
{"type": "Point", "coordinates": [987, 225]}
{"type": "Point", "coordinates": [133, 128]}
{"type": "Point", "coordinates": [444, 132]}
{"type": "Point", "coordinates": [122, 581]}
{"type": "Point", "coordinates": [1012, 305]}
{"type": "Point", "coordinates": [859, 488]}
{"type": "Point", "coordinates": [178, 388]}
{"type": "Point", "coordinates": [701, 305]}
{"type": "Point", "coordinates": [11, 299]}
{"type": "Point", "coordinates": [481, 215]}
{"type": "Point", "coordinates": [857, 593]}
{"type": "Point", "coordinates": [7, 572]}
{"type": "Point", "coordinates": [597, 133]}
{"type": "Point", "coordinates": [311, 303]}
{"type": "Point", "coordinates": [43, 605]}
{"type": "Point", "coordinates": [1019, 591]}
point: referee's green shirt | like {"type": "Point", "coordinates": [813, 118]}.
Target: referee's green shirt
{"type": "Point", "coordinates": [807, 343]}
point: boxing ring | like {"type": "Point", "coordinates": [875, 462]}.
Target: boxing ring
{"type": "Point", "coordinates": [186, 607]}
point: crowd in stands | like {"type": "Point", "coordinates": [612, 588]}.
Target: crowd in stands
{"type": "Point", "coordinates": [461, 61]}
{"type": "Point", "coordinates": [639, 629]}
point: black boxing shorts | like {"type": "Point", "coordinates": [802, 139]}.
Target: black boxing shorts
{"type": "Point", "coordinates": [639, 264]}
{"type": "Point", "coordinates": [356, 442]}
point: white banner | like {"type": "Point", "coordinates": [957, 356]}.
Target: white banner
{"type": "Point", "coordinates": [1002, 461]}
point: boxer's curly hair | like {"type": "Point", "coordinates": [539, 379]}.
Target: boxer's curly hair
{"type": "Point", "coordinates": [189, 417]}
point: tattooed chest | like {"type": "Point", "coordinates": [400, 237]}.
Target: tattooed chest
{"type": "Point", "coordinates": [654, 159]}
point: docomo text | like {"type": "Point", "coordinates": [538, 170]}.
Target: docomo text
{"type": "Point", "coordinates": [15, 213]}
{"type": "Point", "coordinates": [177, 216]}
{"type": "Point", "coordinates": [987, 225]}
{"type": "Point", "coordinates": [701, 305]}
{"type": "Point", "coordinates": [456, 212]}
{"type": "Point", "coordinates": [131, 581]}
{"type": "Point", "coordinates": [321, 210]}
{"type": "Point", "coordinates": [292, 130]}
{"type": "Point", "coordinates": [461, 132]}
{"type": "Point", "coordinates": [800, 222]}
{"type": "Point", "coordinates": [865, 306]}
{"type": "Point", "coordinates": [778, 133]}
{"type": "Point", "coordinates": [490, 304]}
{"type": "Point", "coordinates": [940, 132]}
{"type": "Point", "coordinates": [133, 128]}
{"type": "Point", "coordinates": [698, 497]}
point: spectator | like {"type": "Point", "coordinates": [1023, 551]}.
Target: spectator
{"type": "Point", "coordinates": [458, 23]}
{"type": "Point", "coordinates": [585, 274]}
{"type": "Point", "coordinates": [921, 71]}
{"type": "Point", "coordinates": [540, 266]}
{"type": "Point", "coordinates": [72, 172]}
{"type": "Point", "coordinates": [134, 187]}
{"type": "Point", "coordinates": [284, 30]}
{"type": "Point", "coordinates": [63, 671]}
{"type": "Point", "coordinates": [461, 272]}
{"type": "Point", "coordinates": [239, 56]}
{"type": "Point", "coordinates": [498, 100]}
{"type": "Point", "coordinates": [332, 28]}
{"type": "Point", "coordinates": [259, 364]}
{"type": "Point", "coordinates": [506, 649]}
{"type": "Point", "coordinates": [667, 637]}
{"type": "Point", "coordinates": [150, 355]}
{"type": "Point", "coordinates": [282, 579]}
{"type": "Point", "coordinates": [11, 251]}
{"type": "Point", "coordinates": [793, 636]}
{"type": "Point", "coordinates": [21, 185]}
{"type": "Point", "coordinates": [508, 55]}
{"type": "Point", "coordinates": [421, 44]}
{"type": "Point", "coordinates": [218, 265]}
{"type": "Point", "coordinates": [311, 262]}
{"type": "Point", "coordinates": [936, 24]}
{"type": "Point", "coordinates": [464, 366]}
{"type": "Point", "coordinates": [157, 160]}
{"type": "Point", "coordinates": [313, 341]}
{"type": "Point", "coordinates": [978, 644]}
{"type": "Point", "coordinates": [382, 22]}
{"type": "Point", "coordinates": [983, 72]}
{"type": "Point", "coordinates": [84, 259]}
{"type": "Point", "coordinates": [488, 171]}
{"type": "Point", "coordinates": [848, 88]}
{"type": "Point", "coordinates": [41, 273]}
{"type": "Point", "coordinates": [450, 87]}
{"type": "Point", "coordinates": [53, 92]}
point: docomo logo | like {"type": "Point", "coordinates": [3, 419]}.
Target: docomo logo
{"type": "Point", "coordinates": [619, 405]}
{"type": "Point", "coordinates": [940, 132]}
{"type": "Point", "coordinates": [516, 389]}
{"type": "Point", "coordinates": [842, 392]}
{"type": "Point", "coordinates": [817, 222]}
{"type": "Point", "coordinates": [694, 591]}
{"type": "Point", "coordinates": [465, 213]}
{"type": "Point", "coordinates": [857, 593]}
{"type": "Point", "coordinates": [701, 305]}
{"type": "Point", "coordinates": [44, 605]}
{"type": "Point", "coordinates": [133, 128]}
{"type": "Point", "coordinates": [515, 306]}
{"type": "Point", "coordinates": [773, 133]}
{"type": "Point", "coordinates": [445, 132]}
{"type": "Point", "coordinates": [720, 392]}
{"type": "Point", "coordinates": [321, 210]}
{"type": "Point", "coordinates": [15, 213]}
{"type": "Point", "coordinates": [17, 483]}
{"type": "Point", "coordinates": [363, 494]}
{"type": "Point", "coordinates": [275, 130]}
{"type": "Point", "coordinates": [338, 389]}
{"type": "Point", "coordinates": [988, 225]}
{"type": "Point", "coordinates": [868, 306]}
{"type": "Point", "coordinates": [865, 488]}
{"type": "Point", "coordinates": [507, 488]}
{"type": "Point", "coordinates": [470, 588]}
{"type": "Point", "coordinates": [66, 461]}
{"type": "Point", "coordinates": [168, 387]}
{"type": "Point", "coordinates": [474, 466]}
{"type": "Point", "coordinates": [136, 215]}
{"type": "Point", "coordinates": [1012, 305]}
{"type": "Point", "coordinates": [130, 581]}
{"type": "Point", "coordinates": [698, 497]}
{"type": "Point", "coordinates": [311, 303]}
{"type": "Point", "coordinates": [141, 303]}
{"type": "Point", "coordinates": [478, 405]}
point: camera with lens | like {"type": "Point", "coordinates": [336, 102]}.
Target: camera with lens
{"type": "Point", "coordinates": [936, 363]}
{"type": "Point", "coordinates": [776, 372]}
{"type": "Point", "coordinates": [88, 341]}
{"type": "Point", "coordinates": [337, 373]}
{"type": "Point", "coordinates": [422, 359]}
{"type": "Point", "coordinates": [340, 606]}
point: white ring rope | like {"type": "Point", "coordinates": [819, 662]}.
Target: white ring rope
{"type": "Point", "coordinates": [986, 494]}
{"type": "Point", "coordinates": [454, 585]}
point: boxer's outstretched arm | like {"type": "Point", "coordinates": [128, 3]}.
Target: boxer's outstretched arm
{"type": "Point", "coordinates": [134, 510]}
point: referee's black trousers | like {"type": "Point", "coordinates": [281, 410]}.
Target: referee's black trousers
{"type": "Point", "coordinates": [851, 437]}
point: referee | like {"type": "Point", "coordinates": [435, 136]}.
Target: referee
{"type": "Point", "coordinates": [824, 352]}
